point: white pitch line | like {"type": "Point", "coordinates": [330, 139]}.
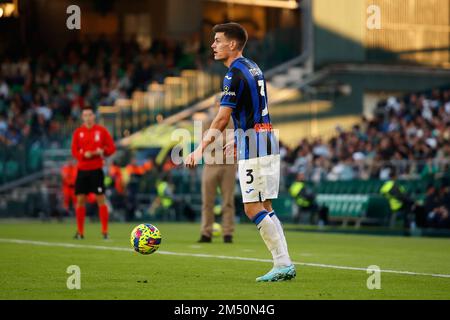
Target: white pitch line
{"type": "Point", "coordinates": [201, 255]}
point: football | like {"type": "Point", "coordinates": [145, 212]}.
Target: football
{"type": "Point", "coordinates": [217, 230]}
{"type": "Point", "coordinates": [145, 238]}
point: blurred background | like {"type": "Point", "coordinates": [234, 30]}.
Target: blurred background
{"type": "Point", "coordinates": [358, 89]}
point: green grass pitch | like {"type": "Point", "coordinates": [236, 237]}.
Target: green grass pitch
{"type": "Point", "coordinates": [37, 270]}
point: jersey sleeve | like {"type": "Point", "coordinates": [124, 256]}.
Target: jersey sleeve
{"type": "Point", "coordinates": [233, 85]}
{"type": "Point", "coordinates": [110, 147]}
{"type": "Point", "coordinates": [76, 152]}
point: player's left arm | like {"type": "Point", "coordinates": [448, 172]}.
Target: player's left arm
{"type": "Point", "coordinates": [109, 146]}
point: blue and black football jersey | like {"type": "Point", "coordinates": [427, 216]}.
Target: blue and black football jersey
{"type": "Point", "coordinates": [244, 90]}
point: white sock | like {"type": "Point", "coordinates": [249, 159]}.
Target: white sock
{"type": "Point", "coordinates": [277, 222]}
{"type": "Point", "coordinates": [269, 233]}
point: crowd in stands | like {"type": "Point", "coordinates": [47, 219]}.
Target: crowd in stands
{"type": "Point", "coordinates": [42, 93]}
{"type": "Point", "coordinates": [436, 207]}
{"type": "Point", "coordinates": [410, 134]}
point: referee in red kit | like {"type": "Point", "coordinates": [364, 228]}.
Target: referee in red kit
{"type": "Point", "coordinates": [90, 144]}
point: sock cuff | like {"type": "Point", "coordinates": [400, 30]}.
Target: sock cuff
{"type": "Point", "coordinates": [259, 216]}
{"type": "Point", "coordinates": [271, 213]}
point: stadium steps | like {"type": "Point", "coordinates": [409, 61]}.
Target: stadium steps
{"type": "Point", "coordinates": [285, 79]}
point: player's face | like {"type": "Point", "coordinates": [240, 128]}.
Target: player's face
{"type": "Point", "coordinates": [88, 118]}
{"type": "Point", "coordinates": [221, 47]}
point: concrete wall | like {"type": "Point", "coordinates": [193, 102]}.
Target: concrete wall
{"type": "Point", "coordinates": [50, 22]}
{"type": "Point", "coordinates": [412, 31]}
{"type": "Point", "coordinates": [338, 31]}
{"type": "Point", "coordinates": [170, 18]}
{"type": "Point", "coordinates": [183, 17]}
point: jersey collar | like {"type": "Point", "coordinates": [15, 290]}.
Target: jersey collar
{"type": "Point", "coordinates": [235, 61]}
{"type": "Point", "coordinates": [92, 128]}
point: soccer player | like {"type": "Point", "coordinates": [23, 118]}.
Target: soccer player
{"type": "Point", "coordinates": [90, 144]}
{"type": "Point", "coordinates": [244, 98]}
{"type": "Point", "coordinates": [68, 176]}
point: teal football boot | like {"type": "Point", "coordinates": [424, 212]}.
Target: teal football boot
{"type": "Point", "coordinates": [278, 274]}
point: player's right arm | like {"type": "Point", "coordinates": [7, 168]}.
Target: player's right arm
{"type": "Point", "coordinates": [77, 152]}
{"type": "Point", "coordinates": [220, 122]}
{"type": "Point", "coordinates": [233, 85]}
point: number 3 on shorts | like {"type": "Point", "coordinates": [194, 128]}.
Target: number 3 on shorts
{"type": "Point", "coordinates": [250, 175]}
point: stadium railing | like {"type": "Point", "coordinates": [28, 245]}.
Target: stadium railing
{"type": "Point", "coordinates": [128, 116]}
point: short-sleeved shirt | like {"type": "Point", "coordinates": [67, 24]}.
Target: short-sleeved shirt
{"type": "Point", "coordinates": [244, 90]}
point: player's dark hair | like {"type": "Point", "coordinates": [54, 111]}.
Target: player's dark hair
{"type": "Point", "coordinates": [88, 108]}
{"type": "Point", "coordinates": [234, 31]}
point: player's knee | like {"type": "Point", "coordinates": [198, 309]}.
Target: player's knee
{"type": "Point", "coordinates": [252, 209]}
{"type": "Point", "coordinates": [268, 205]}
{"type": "Point", "coordinates": [100, 199]}
{"type": "Point", "coordinates": [81, 201]}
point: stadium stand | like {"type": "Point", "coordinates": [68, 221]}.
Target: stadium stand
{"type": "Point", "coordinates": [407, 134]}
{"type": "Point", "coordinates": [41, 95]}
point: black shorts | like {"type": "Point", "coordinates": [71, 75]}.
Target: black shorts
{"type": "Point", "coordinates": [90, 181]}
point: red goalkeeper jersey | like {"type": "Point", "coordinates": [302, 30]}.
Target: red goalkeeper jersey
{"type": "Point", "coordinates": [85, 139]}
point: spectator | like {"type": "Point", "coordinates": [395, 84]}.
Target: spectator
{"type": "Point", "coordinates": [304, 199]}
{"type": "Point", "coordinates": [439, 218]}
{"type": "Point", "coordinates": [411, 133]}
{"type": "Point", "coordinates": [399, 202]}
